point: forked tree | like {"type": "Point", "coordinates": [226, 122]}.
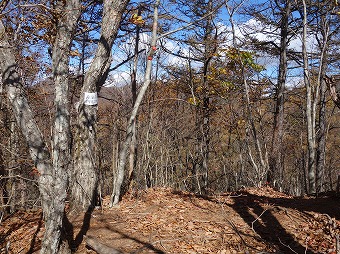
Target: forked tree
{"type": "Point", "coordinates": [54, 166]}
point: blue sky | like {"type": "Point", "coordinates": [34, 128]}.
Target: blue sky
{"type": "Point", "coordinates": [121, 76]}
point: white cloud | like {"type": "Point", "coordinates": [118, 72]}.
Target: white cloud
{"type": "Point", "coordinates": [253, 27]}
{"type": "Point", "coordinates": [118, 78]}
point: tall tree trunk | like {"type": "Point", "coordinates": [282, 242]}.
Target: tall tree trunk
{"type": "Point", "coordinates": [133, 145]}
{"type": "Point", "coordinates": [262, 169]}
{"type": "Point", "coordinates": [275, 162]}
{"type": "Point", "coordinates": [309, 107]}
{"type": "Point", "coordinates": [13, 145]}
{"type": "Point", "coordinates": [118, 181]}
{"type": "Point", "coordinates": [262, 157]}
{"type": "Point", "coordinates": [37, 148]}
{"type": "Point", "coordinates": [321, 137]}
{"type": "Point", "coordinates": [84, 176]}
{"type": "Point", "coordinates": [53, 174]}
{"type": "Point", "coordinates": [70, 13]}
{"type": "Point", "coordinates": [210, 47]}
{"type": "Point", "coordinates": [3, 182]}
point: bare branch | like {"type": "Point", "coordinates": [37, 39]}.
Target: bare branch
{"type": "Point", "coordinates": [191, 23]}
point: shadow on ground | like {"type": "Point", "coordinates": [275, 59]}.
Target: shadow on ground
{"type": "Point", "coordinates": [250, 208]}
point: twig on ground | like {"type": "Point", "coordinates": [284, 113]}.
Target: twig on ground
{"type": "Point", "coordinates": [252, 223]}
{"type": "Point", "coordinates": [306, 244]}
{"type": "Point", "coordinates": [236, 230]}
{"type": "Point", "coordinates": [1, 216]}
{"type": "Point", "coordinates": [287, 246]}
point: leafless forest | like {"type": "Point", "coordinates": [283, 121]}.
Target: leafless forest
{"type": "Point", "coordinates": [205, 97]}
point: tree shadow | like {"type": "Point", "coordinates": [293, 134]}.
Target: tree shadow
{"type": "Point", "coordinates": [328, 204]}
{"type": "Point", "coordinates": [34, 238]}
{"type": "Point", "coordinates": [24, 220]}
{"type": "Point", "coordinates": [265, 224]}
{"type": "Point", "coordinates": [68, 234]}
{"type": "Point", "coordinates": [325, 204]}
{"type": "Point", "coordinates": [263, 221]}
{"type": "Point", "coordinates": [145, 246]}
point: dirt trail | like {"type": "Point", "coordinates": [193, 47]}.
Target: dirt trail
{"type": "Point", "coordinates": [165, 221]}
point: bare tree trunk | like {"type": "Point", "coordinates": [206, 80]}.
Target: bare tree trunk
{"type": "Point", "coordinates": [322, 130]}
{"type": "Point", "coordinates": [210, 47]}
{"type": "Point", "coordinates": [84, 176]}
{"type": "Point", "coordinates": [3, 182]}
{"type": "Point", "coordinates": [321, 138]}
{"type": "Point", "coordinates": [13, 145]}
{"type": "Point", "coordinates": [309, 107]}
{"type": "Point", "coordinates": [53, 179]}
{"type": "Point", "coordinates": [232, 9]}
{"type": "Point", "coordinates": [333, 83]}
{"type": "Point", "coordinates": [62, 134]}
{"type": "Point", "coordinates": [38, 150]}
{"type": "Point", "coordinates": [262, 156]}
{"type": "Point", "coordinates": [133, 145]}
{"type": "Point", "coordinates": [275, 162]}
{"type": "Point", "coordinates": [117, 183]}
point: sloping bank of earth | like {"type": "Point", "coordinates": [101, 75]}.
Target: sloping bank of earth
{"type": "Point", "coordinates": [254, 220]}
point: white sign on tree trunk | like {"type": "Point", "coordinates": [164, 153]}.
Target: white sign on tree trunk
{"type": "Point", "coordinates": [90, 99]}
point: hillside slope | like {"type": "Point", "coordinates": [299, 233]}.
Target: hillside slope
{"type": "Point", "coordinates": [165, 221]}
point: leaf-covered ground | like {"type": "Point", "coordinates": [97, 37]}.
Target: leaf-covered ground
{"type": "Point", "coordinates": [165, 221]}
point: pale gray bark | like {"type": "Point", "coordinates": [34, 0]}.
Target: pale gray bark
{"type": "Point", "coordinates": [333, 83]}
{"type": "Point", "coordinates": [260, 163]}
{"type": "Point", "coordinates": [13, 146]}
{"type": "Point", "coordinates": [321, 136]}
{"type": "Point", "coordinates": [133, 145]}
{"type": "Point", "coordinates": [53, 174]}
{"type": "Point", "coordinates": [232, 9]}
{"type": "Point", "coordinates": [84, 176]}
{"type": "Point", "coordinates": [66, 28]}
{"type": "Point", "coordinates": [310, 116]}
{"type": "Point", "coordinates": [25, 120]}
{"type": "Point", "coordinates": [118, 181]}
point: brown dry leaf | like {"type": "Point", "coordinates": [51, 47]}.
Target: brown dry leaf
{"type": "Point", "coordinates": [179, 222]}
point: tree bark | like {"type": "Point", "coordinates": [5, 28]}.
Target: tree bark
{"type": "Point", "coordinates": [84, 176]}
{"type": "Point", "coordinates": [118, 181]}
{"type": "Point", "coordinates": [333, 83]}
{"type": "Point", "coordinates": [13, 145]}
{"type": "Point", "coordinates": [210, 47]}
{"type": "Point", "coordinates": [37, 148]}
{"type": "Point", "coordinates": [309, 107]}
{"type": "Point", "coordinates": [61, 158]}
{"type": "Point", "coordinates": [53, 172]}
{"type": "Point", "coordinates": [133, 145]}
{"type": "Point", "coordinates": [322, 130]}
{"type": "Point", "coordinates": [29, 128]}
{"type": "Point", "coordinates": [275, 162]}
